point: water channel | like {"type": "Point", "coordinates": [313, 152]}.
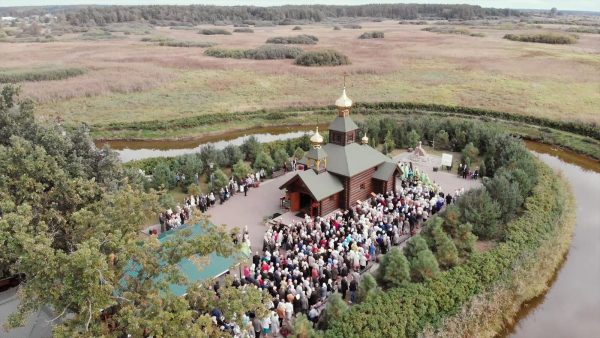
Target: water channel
{"type": "Point", "coordinates": [571, 306]}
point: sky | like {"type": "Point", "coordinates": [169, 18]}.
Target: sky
{"type": "Point", "coordinates": [585, 5]}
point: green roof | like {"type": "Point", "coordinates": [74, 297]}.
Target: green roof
{"type": "Point", "coordinates": [316, 154]}
{"type": "Point", "coordinates": [320, 185]}
{"type": "Point", "coordinates": [385, 171]}
{"type": "Point", "coordinates": [352, 159]}
{"type": "Point", "coordinates": [343, 124]}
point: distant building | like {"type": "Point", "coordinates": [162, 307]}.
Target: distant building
{"type": "Point", "coordinates": [341, 172]}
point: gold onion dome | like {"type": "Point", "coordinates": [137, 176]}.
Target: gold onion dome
{"type": "Point", "coordinates": [344, 101]}
{"type": "Point", "coordinates": [316, 139]}
{"type": "Point", "coordinates": [365, 139]}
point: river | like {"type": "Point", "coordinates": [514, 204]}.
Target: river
{"type": "Point", "coordinates": [571, 306]}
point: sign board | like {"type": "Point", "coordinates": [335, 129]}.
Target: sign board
{"type": "Point", "coordinates": [447, 160]}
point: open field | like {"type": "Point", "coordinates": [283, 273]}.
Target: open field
{"type": "Point", "coordinates": [128, 80]}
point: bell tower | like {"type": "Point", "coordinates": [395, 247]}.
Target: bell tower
{"type": "Point", "coordinates": [342, 131]}
{"type": "Point", "coordinates": [316, 158]}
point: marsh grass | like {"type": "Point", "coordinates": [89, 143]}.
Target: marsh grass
{"type": "Point", "coordinates": [550, 38]}
{"type": "Point", "coordinates": [452, 30]}
{"type": "Point", "coordinates": [302, 39]}
{"type": "Point", "coordinates": [39, 74]}
{"type": "Point", "coordinates": [214, 31]}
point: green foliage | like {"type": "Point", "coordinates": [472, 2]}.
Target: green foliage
{"type": "Point", "coordinates": [232, 155]}
{"type": "Point", "coordinates": [353, 26]}
{"type": "Point", "coordinates": [214, 31]}
{"type": "Point", "coordinates": [280, 157]}
{"type": "Point", "coordinates": [8, 75]}
{"type": "Point", "coordinates": [267, 52]}
{"type": "Point", "coordinates": [445, 249]}
{"type": "Point", "coordinates": [506, 194]}
{"type": "Point", "coordinates": [241, 170]}
{"type": "Point", "coordinates": [367, 287]}
{"type": "Point", "coordinates": [251, 147]}
{"type": "Point", "coordinates": [190, 165]}
{"type": "Point", "coordinates": [395, 270]}
{"type": "Point", "coordinates": [415, 245]}
{"type": "Point", "coordinates": [166, 201]}
{"type": "Point", "coordinates": [413, 139]}
{"type": "Point", "coordinates": [243, 30]}
{"type": "Point", "coordinates": [334, 309]}
{"type": "Point", "coordinates": [478, 208]}
{"type": "Point", "coordinates": [551, 38]}
{"type": "Point", "coordinates": [469, 153]}
{"type": "Point", "coordinates": [175, 43]}
{"type": "Point", "coordinates": [303, 328]}
{"type": "Point", "coordinates": [388, 144]}
{"type": "Point", "coordinates": [320, 58]}
{"type": "Point", "coordinates": [589, 30]}
{"type": "Point", "coordinates": [162, 177]}
{"type": "Point", "coordinates": [372, 35]}
{"type": "Point", "coordinates": [424, 266]}
{"type": "Point", "coordinates": [451, 30]}
{"type": "Point", "coordinates": [298, 153]}
{"type": "Point", "coordinates": [302, 39]}
{"type": "Point", "coordinates": [442, 140]}
{"type": "Point", "coordinates": [263, 161]}
{"type": "Point", "coordinates": [465, 240]}
{"type": "Point", "coordinates": [219, 180]}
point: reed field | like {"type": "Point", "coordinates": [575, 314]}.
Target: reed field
{"type": "Point", "coordinates": [128, 80]}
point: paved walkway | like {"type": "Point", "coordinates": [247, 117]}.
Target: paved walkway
{"type": "Point", "coordinates": [264, 201]}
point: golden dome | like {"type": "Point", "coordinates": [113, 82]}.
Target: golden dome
{"type": "Point", "coordinates": [316, 138]}
{"type": "Point", "coordinates": [344, 101]}
{"type": "Point", "coordinates": [365, 139]}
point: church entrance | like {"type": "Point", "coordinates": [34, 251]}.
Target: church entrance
{"type": "Point", "coordinates": [308, 205]}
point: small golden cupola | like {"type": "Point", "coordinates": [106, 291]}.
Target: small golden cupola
{"type": "Point", "coordinates": [365, 139]}
{"type": "Point", "coordinates": [317, 156]}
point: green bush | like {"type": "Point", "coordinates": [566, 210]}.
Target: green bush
{"type": "Point", "coordinates": [243, 30]}
{"type": "Point", "coordinates": [303, 39]}
{"type": "Point", "coordinates": [451, 30]}
{"type": "Point", "coordinates": [322, 58]}
{"type": "Point", "coordinates": [264, 161]}
{"type": "Point", "coordinates": [267, 52]}
{"type": "Point", "coordinates": [367, 287]}
{"type": "Point", "coordinates": [214, 31]}
{"type": "Point", "coordinates": [551, 38]}
{"type": "Point", "coordinates": [174, 43]}
{"type": "Point", "coordinates": [38, 74]}
{"type": "Point", "coordinates": [590, 30]}
{"type": "Point", "coordinates": [394, 269]}
{"type": "Point", "coordinates": [478, 208]}
{"type": "Point", "coordinates": [353, 26]}
{"type": "Point", "coordinates": [372, 35]}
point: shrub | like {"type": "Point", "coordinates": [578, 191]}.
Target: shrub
{"type": "Point", "coordinates": [272, 52]}
{"type": "Point", "coordinates": [243, 30]}
{"type": "Point", "coordinates": [465, 240]}
{"type": "Point", "coordinates": [241, 170]}
{"type": "Point", "coordinates": [372, 35]}
{"type": "Point", "coordinates": [590, 30]}
{"type": "Point", "coordinates": [424, 266]}
{"type": "Point", "coordinates": [367, 287]}
{"type": "Point", "coordinates": [451, 30]}
{"type": "Point", "coordinates": [337, 28]}
{"type": "Point", "coordinates": [334, 309]}
{"type": "Point", "coordinates": [353, 26]}
{"type": "Point", "coordinates": [394, 269]}
{"type": "Point", "coordinates": [214, 31]}
{"type": "Point", "coordinates": [303, 39]}
{"type": "Point", "coordinates": [174, 43]}
{"type": "Point", "coordinates": [230, 53]}
{"type": "Point", "coordinates": [507, 195]}
{"type": "Point", "coordinates": [551, 38]}
{"type": "Point", "coordinates": [280, 157]}
{"type": "Point", "coordinates": [263, 161]}
{"type": "Point", "coordinates": [445, 249]}
{"type": "Point", "coordinates": [298, 153]}
{"type": "Point", "coordinates": [38, 74]}
{"type": "Point", "coordinates": [442, 140]}
{"type": "Point", "coordinates": [219, 180]}
{"type": "Point", "coordinates": [478, 208]}
{"type": "Point", "coordinates": [469, 153]}
{"type": "Point", "coordinates": [162, 177]}
{"type": "Point", "coordinates": [322, 58]}
{"type": "Point", "coordinates": [297, 28]}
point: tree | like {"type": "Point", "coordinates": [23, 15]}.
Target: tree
{"type": "Point", "coordinates": [553, 11]}
{"type": "Point", "coordinates": [414, 246]}
{"type": "Point", "coordinates": [241, 170]}
{"type": "Point", "coordinates": [190, 165]}
{"type": "Point", "coordinates": [469, 153]}
{"type": "Point", "coordinates": [77, 243]}
{"type": "Point", "coordinates": [232, 154]}
{"type": "Point", "coordinates": [445, 250]}
{"type": "Point", "coordinates": [251, 148]}
{"type": "Point", "coordinates": [478, 208]}
{"type": "Point", "coordinates": [166, 200]}
{"type": "Point", "coordinates": [397, 270]}
{"type": "Point", "coordinates": [442, 140]}
{"type": "Point", "coordinates": [298, 153]}
{"type": "Point", "coordinates": [162, 177]}
{"type": "Point", "coordinates": [424, 266]}
{"type": "Point", "coordinates": [280, 157]}
{"type": "Point", "coordinates": [303, 328]}
{"type": "Point", "coordinates": [264, 161]}
{"type": "Point", "coordinates": [507, 195]}
{"type": "Point", "coordinates": [388, 143]}
{"type": "Point", "coordinates": [333, 311]}
{"type": "Point", "coordinates": [465, 240]}
{"type": "Point", "coordinates": [413, 138]}
{"type": "Point", "coordinates": [367, 287]}
{"type": "Point", "coordinates": [219, 180]}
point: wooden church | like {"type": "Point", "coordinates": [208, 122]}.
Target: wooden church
{"type": "Point", "coordinates": [341, 172]}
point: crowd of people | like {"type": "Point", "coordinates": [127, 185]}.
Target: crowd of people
{"type": "Point", "coordinates": [303, 263]}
